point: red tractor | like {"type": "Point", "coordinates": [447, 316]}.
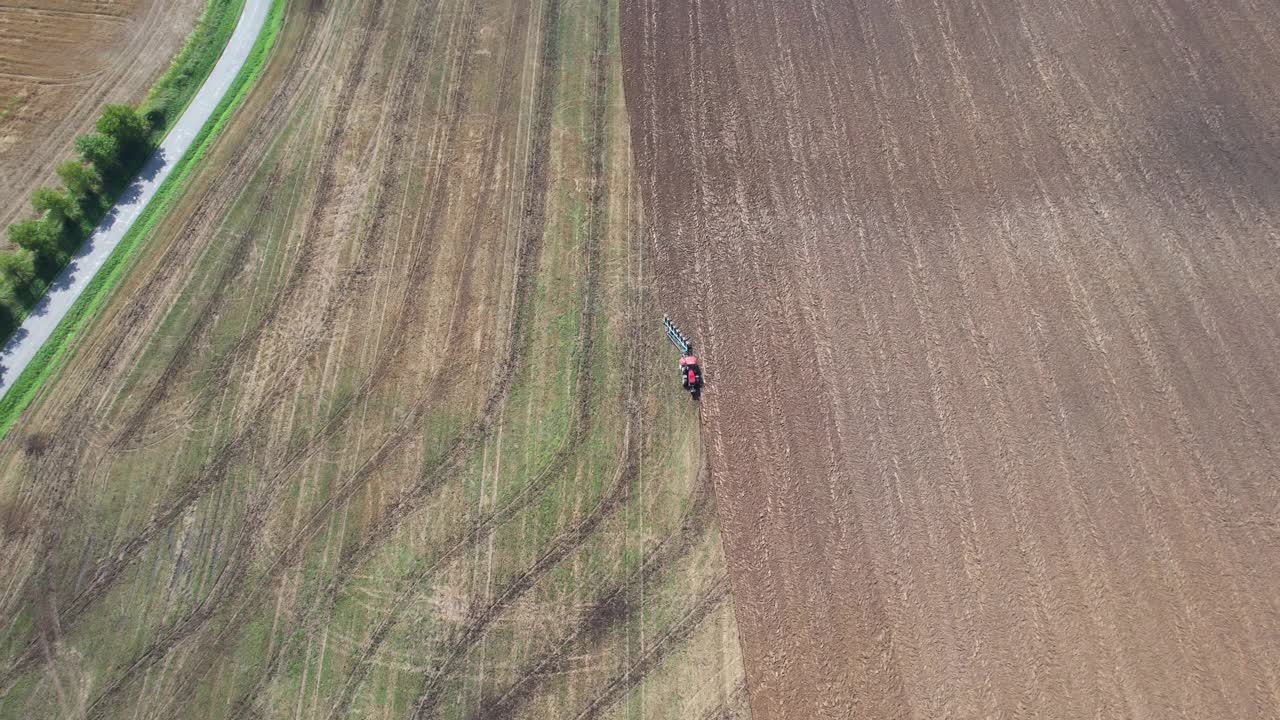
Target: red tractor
{"type": "Point", "coordinates": [690, 373]}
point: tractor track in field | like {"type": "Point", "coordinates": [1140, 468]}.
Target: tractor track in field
{"type": "Point", "coordinates": [489, 522]}
{"type": "Point", "coordinates": [133, 316]}
{"type": "Point", "coordinates": [561, 546]}
{"type": "Point", "coordinates": [242, 550]}
{"type": "Point", "coordinates": [106, 576]}
{"type": "Point", "coordinates": [213, 205]}
{"type": "Point", "coordinates": [205, 611]}
{"type": "Point", "coordinates": [262, 411]}
{"type": "Point", "coordinates": [301, 68]}
{"type": "Point", "coordinates": [135, 423]}
{"type": "Point", "coordinates": [673, 639]}
{"type": "Point", "coordinates": [432, 477]}
{"type": "Point", "coordinates": [183, 652]}
{"type": "Point", "coordinates": [62, 488]}
{"type": "Point", "coordinates": [611, 607]}
{"type": "Point", "coordinates": [481, 429]}
{"type": "Point", "coordinates": [727, 708]}
{"type": "Point", "coordinates": [567, 542]}
{"type": "Point", "coordinates": [485, 525]}
{"type": "Point", "coordinates": [530, 233]}
{"type": "Point", "coordinates": [177, 255]}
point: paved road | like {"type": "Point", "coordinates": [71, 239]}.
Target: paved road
{"type": "Point", "coordinates": [39, 325]}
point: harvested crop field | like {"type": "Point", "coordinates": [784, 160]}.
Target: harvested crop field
{"type": "Point", "coordinates": [380, 424]}
{"type": "Point", "coordinates": [60, 62]}
{"type": "Point", "coordinates": [988, 296]}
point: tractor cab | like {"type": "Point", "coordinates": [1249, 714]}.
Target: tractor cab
{"type": "Point", "coordinates": [690, 374]}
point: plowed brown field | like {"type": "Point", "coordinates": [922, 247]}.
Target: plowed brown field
{"type": "Point", "coordinates": [60, 62]}
{"type": "Point", "coordinates": [988, 297]}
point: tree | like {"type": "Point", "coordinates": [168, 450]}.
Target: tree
{"type": "Point", "coordinates": [129, 130]}
{"type": "Point", "coordinates": [59, 206]}
{"type": "Point", "coordinates": [18, 268]}
{"type": "Point", "coordinates": [8, 323]}
{"type": "Point", "coordinates": [82, 180]}
{"type": "Point", "coordinates": [37, 236]}
{"type": "Point", "coordinates": [102, 151]}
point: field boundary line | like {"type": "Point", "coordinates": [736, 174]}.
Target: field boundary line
{"type": "Point", "coordinates": [31, 374]}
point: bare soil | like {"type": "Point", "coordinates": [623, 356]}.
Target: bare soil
{"type": "Point", "coordinates": [61, 61]}
{"type": "Point", "coordinates": [986, 295]}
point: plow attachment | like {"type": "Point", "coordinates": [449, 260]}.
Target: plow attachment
{"type": "Point", "coordinates": [676, 337]}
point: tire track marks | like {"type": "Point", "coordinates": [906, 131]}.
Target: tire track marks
{"type": "Point", "coordinates": [530, 235]}
{"type": "Point", "coordinates": [672, 640]}
{"type": "Point", "coordinates": [611, 608]}
{"type": "Point", "coordinates": [241, 552]}
{"type": "Point", "coordinates": [67, 473]}
{"type": "Point", "coordinates": [212, 477]}
{"type": "Point", "coordinates": [531, 231]}
{"type": "Point", "coordinates": [565, 542]}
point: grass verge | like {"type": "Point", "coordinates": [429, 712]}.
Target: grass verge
{"type": "Point", "coordinates": [51, 354]}
{"type": "Point", "coordinates": [171, 94]}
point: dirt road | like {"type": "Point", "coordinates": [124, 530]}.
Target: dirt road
{"type": "Point", "coordinates": [62, 61]}
{"type": "Point", "coordinates": [987, 296]}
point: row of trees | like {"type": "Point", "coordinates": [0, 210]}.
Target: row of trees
{"type": "Point", "coordinates": [108, 159]}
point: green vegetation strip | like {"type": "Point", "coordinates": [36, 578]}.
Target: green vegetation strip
{"type": "Point", "coordinates": [173, 92]}
{"type": "Point", "coordinates": [54, 351]}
